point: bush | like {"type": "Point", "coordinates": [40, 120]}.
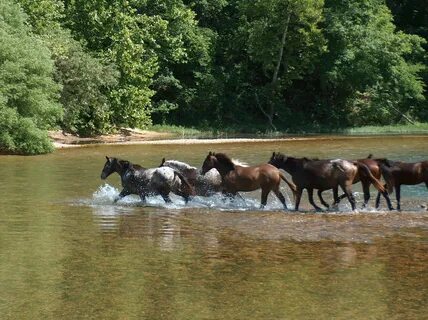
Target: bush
{"type": "Point", "coordinates": [28, 93]}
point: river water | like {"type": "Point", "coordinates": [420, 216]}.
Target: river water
{"type": "Point", "coordinates": [68, 252]}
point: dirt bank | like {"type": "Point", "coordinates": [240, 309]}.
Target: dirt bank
{"type": "Point", "coordinates": [61, 139]}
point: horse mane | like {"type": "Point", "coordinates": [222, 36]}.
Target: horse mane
{"type": "Point", "coordinates": [310, 159]}
{"type": "Point", "coordinates": [238, 162]}
{"type": "Point", "coordinates": [279, 156]}
{"type": "Point", "coordinates": [385, 161]}
{"type": "Point", "coordinates": [178, 164]}
{"type": "Point", "coordinates": [127, 164]}
{"type": "Point", "coordinates": [225, 160]}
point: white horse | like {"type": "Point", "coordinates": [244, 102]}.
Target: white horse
{"type": "Point", "coordinates": [204, 185]}
{"type": "Point", "coordinates": [144, 182]}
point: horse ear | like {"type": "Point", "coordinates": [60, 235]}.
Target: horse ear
{"type": "Point", "coordinates": [273, 154]}
{"type": "Point", "coordinates": [210, 153]}
{"type": "Point", "coordinates": [163, 161]}
{"type": "Point", "coordinates": [370, 156]}
{"type": "Point", "coordinates": [108, 159]}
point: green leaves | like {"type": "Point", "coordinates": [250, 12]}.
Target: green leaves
{"type": "Point", "coordinates": [369, 64]}
{"type": "Point", "coordinates": [28, 93]}
{"type": "Point", "coordinates": [274, 64]}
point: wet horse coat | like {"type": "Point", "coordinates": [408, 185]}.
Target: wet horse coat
{"type": "Point", "coordinates": [237, 178]}
{"type": "Point", "coordinates": [322, 175]}
{"type": "Point", "coordinates": [397, 173]}
{"type": "Point", "coordinates": [143, 182]}
{"type": "Point", "coordinates": [366, 180]}
{"type": "Point", "coordinates": [204, 185]}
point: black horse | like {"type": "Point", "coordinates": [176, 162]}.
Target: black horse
{"type": "Point", "coordinates": [143, 182]}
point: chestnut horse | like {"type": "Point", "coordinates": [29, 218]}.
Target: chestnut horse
{"type": "Point", "coordinates": [397, 173]}
{"type": "Point", "coordinates": [141, 181]}
{"type": "Point", "coordinates": [322, 175]}
{"type": "Point", "coordinates": [366, 181]}
{"type": "Point", "coordinates": [237, 178]}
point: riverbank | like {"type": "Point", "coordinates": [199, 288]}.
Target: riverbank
{"type": "Point", "coordinates": [180, 135]}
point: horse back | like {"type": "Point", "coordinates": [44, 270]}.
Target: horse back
{"type": "Point", "coordinates": [251, 178]}
{"type": "Point", "coordinates": [324, 174]}
{"type": "Point", "coordinates": [410, 173]}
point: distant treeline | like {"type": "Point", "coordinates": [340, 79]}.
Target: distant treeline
{"type": "Point", "coordinates": [90, 66]}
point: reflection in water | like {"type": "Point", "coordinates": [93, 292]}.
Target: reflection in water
{"type": "Point", "coordinates": [68, 252]}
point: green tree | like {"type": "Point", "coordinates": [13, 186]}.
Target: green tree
{"type": "Point", "coordinates": [127, 38]}
{"type": "Point", "coordinates": [411, 16]}
{"type": "Point", "coordinates": [28, 93]}
{"type": "Point", "coordinates": [370, 70]}
{"type": "Point", "coordinates": [86, 80]}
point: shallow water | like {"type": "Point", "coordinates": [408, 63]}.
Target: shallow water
{"type": "Point", "coordinates": [68, 252]}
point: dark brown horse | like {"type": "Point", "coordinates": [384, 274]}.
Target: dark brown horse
{"type": "Point", "coordinates": [237, 178]}
{"type": "Point", "coordinates": [143, 182]}
{"type": "Point", "coordinates": [366, 181]}
{"type": "Point", "coordinates": [322, 175]}
{"type": "Point", "coordinates": [397, 173]}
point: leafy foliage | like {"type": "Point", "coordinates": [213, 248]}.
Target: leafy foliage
{"type": "Point", "coordinates": [370, 67]}
{"type": "Point", "coordinates": [243, 65]}
{"type": "Point", "coordinates": [28, 93]}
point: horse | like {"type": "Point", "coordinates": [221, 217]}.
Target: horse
{"type": "Point", "coordinates": [323, 175]}
{"type": "Point", "coordinates": [204, 185]}
{"type": "Point", "coordinates": [365, 180]}
{"type": "Point", "coordinates": [397, 173]}
{"type": "Point", "coordinates": [237, 178]}
{"type": "Point", "coordinates": [143, 182]}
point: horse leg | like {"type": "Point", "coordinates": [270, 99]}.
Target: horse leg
{"type": "Point", "coordinates": [398, 196]}
{"type": "Point", "coordinates": [388, 200]}
{"type": "Point", "coordinates": [166, 197]}
{"type": "Point", "coordinates": [240, 197]}
{"type": "Point", "coordinates": [185, 196]}
{"type": "Point", "coordinates": [348, 191]}
{"type": "Point", "coordinates": [378, 198]}
{"type": "Point", "coordinates": [298, 197]}
{"type": "Point", "coordinates": [336, 195]}
{"type": "Point", "coordinates": [121, 195]}
{"type": "Point", "coordinates": [281, 198]}
{"type": "Point", "coordinates": [265, 193]}
{"type": "Point", "coordinates": [366, 191]}
{"type": "Point", "coordinates": [311, 199]}
{"type": "Point", "coordinates": [325, 204]}
{"type": "Point", "coordinates": [143, 197]}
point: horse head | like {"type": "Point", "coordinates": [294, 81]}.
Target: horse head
{"type": "Point", "coordinates": [116, 165]}
{"type": "Point", "coordinates": [209, 162]}
{"type": "Point", "coordinates": [277, 159]}
{"type": "Point", "coordinates": [109, 167]}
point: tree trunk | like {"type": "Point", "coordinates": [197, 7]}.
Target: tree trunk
{"type": "Point", "coordinates": [271, 111]}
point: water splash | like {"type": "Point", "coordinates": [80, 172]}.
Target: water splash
{"type": "Point", "coordinates": [106, 194]}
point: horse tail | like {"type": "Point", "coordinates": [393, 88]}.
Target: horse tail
{"type": "Point", "coordinates": [364, 171]}
{"type": "Point", "coordinates": [190, 189]}
{"type": "Point", "coordinates": [290, 184]}
{"type": "Point", "coordinates": [389, 179]}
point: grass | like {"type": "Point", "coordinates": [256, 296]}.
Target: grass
{"type": "Point", "coordinates": [185, 132]}
{"type": "Point", "coordinates": [392, 129]}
